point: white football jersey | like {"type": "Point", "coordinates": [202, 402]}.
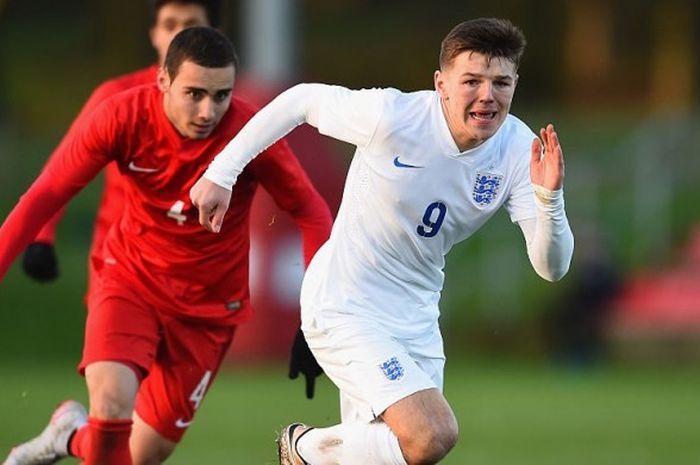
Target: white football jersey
{"type": "Point", "coordinates": [410, 195]}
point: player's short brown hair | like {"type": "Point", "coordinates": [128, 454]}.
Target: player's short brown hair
{"type": "Point", "coordinates": [203, 46]}
{"type": "Point", "coordinates": [492, 37]}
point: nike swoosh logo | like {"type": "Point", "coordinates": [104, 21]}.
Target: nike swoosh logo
{"type": "Point", "coordinates": [180, 423]}
{"type": "Point", "coordinates": [399, 164]}
{"type": "Point", "coordinates": [138, 169]}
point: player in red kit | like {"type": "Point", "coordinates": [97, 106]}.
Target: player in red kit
{"type": "Point", "coordinates": [168, 18]}
{"type": "Point", "coordinates": [167, 295]}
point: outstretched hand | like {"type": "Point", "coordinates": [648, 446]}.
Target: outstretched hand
{"type": "Point", "coordinates": [303, 361]}
{"type": "Point", "coordinates": [547, 166]}
{"type": "Point", "coordinates": [212, 201]}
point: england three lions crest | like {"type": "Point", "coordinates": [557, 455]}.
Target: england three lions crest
{"type": "Point", "coordinates": [392, 369]}
{"type": "Point", "coordinates": [486, 187]}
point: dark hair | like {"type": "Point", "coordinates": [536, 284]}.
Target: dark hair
{"type": "Point", "coordinates": [492, 37]}
{"type": "Point", "coordinates": [203, 46]}
{"type": "Point", "coordinates": [211, 7]}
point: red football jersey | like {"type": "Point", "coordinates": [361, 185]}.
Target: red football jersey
{"type": "Point", "coordinates": [158, 245]}
{"type": "Point", "coordinates": [112, 195]}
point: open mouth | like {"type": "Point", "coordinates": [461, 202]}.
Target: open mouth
{"type": "Point", "coordinates": [483, 115]}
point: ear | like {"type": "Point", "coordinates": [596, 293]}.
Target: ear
{"type": "Point", "coordinates": [440, 84]}
{"type": "Point", "coordinates": [163, 79]}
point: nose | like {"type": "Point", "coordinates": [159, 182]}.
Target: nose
{"type": "Point", "coordinates": [486, 92]}
{"type": "Point", "coordinates": [206, 110]}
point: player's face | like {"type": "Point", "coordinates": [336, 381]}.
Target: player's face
{"type": "Point", "coordinates": [171, 19]}
{"type": "Point", "coordinates": [196, 100]}
{"type": "Point", "coordinates": [476, 95]}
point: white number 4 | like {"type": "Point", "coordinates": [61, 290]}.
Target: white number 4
{"type": "Point", "coordinates": [175, 212]}
{"type": "Point", "coordinates": [201, 389]}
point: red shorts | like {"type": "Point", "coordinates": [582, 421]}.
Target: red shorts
{"type": "Point", "coordinates": [178, 358]}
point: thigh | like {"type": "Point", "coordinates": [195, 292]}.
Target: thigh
{"type": "Point", "coordinates": [371, 369]}
{"type": "Point", "coordinates": [120, 327]}
{"type": "Point", "coordinates": [188, 360]}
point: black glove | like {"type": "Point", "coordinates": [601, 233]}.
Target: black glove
{"type": "Point", "coordinates": [303, 361]}
{"type": "Point", "coordinates": [40, 262]}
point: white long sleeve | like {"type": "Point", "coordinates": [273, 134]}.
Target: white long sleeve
{"type": "Point", "coordinates": [550, 242]}
{"type": "Point", "coordinates": [297, 105]}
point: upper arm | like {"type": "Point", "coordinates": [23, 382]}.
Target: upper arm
{"type": "Point", "coordinates": [349, 115]}
{"type": "Point", "coordinates": [86, 148]}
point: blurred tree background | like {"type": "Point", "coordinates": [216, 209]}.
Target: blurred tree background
{"type": "Point", "coordinates": [619, 79]}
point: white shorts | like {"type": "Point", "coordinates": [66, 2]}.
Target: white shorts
{"type": "Point", "coordinates": [373, 369]}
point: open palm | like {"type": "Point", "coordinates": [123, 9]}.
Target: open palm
{"type": "Point", "coordinates": [547, 166]}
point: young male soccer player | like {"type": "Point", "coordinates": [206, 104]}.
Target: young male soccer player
{"type": "Point", "coordinates": [167, 294]}
{"type": "Point", "coordinates": [430, 168]}
{"type": "Point", "coordinates": [168, 17]}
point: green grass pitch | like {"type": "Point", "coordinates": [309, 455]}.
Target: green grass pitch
{"type": "Point", "coordinates": [509, 414]}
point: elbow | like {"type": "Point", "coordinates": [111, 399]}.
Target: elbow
{"type": "Point", "coordinates": [554, 274]}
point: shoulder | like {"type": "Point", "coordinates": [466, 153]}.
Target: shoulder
{"type": "Point", "coordinates": [517, 127]}
{"type": "Point", "coordinates": [515, 134]}
{"type": "Point", "coordinates": [139, 97]}
{"type": "Point", "coordinates": [407, 109]}
{"type": "Point", "coordinates": [127, 81]}
{"type": "Point", "coordinates": [243, 108]}
{"type": "Point", "coordinates": [131, 105]}
{"type": "Point", "coordinates": [238, 114]}
{"type": "Point", "coordinates": [514, 144]}
{"type": "Point", "coordinates": [408, 101]}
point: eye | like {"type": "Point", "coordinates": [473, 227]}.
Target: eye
{"type": "Point", "coordinates": [169, 25]}
{"type": "Point", "coordinates": [502, 84]}
{"type": "Point", "coordinates": [221, 96]}
{"type": "Point", "coordinates": [195, 94]}
{"type": "Point", "coordinates": [472, 82]}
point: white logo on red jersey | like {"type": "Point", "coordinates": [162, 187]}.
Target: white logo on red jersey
{"type": "Point", "coordinates": [180, 423]}
{"type": "Point", "coordinates": [139, 169]}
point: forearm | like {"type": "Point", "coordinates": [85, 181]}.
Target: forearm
{"type": "Point", "coordinates": [48, 232]}
{"type": "Point", "coordinates": [291, 108]}
{"type": "Point", "coordinates": [63, 177]}
{"type": "Point", "coordinates": [34, 209]}
{"type": "Point", "coordinates": [550, 242]}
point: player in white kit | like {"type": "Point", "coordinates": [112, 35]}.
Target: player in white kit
{"type": "Point", "coordinates": [430, 168]}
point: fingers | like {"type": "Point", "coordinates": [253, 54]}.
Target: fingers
{"type": "Point", "coordinates": [212, 203]}
{"type": "Point", "coordinates": [293, 370]}
{"type": "Point", "coordinates": [218, 219]}
{"type": "Point", "coordinates": [549, 138]}
{"type": "Point", "coordinates": [536, 150]}
{"type": "Point", "coordinates": [212, 218]}
{"type": "Point", "coordinates": [310, 386]}
{"type": "Point", "coordinates": [204, 219]}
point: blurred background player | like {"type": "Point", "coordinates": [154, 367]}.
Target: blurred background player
{"type": "Point", "coordinates": [166, 296]}
{"type": "Point", "coordinates": [168, 17]}
{"type": "Point", "coordinates": [429, 170]}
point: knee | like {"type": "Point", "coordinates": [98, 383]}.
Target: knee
{"type": "Point", "coordinates": [431, 445]}
{"type": "Point", "coordinates": [110, 404]}
{"type": "Point", "coordinates": [112, 391]}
